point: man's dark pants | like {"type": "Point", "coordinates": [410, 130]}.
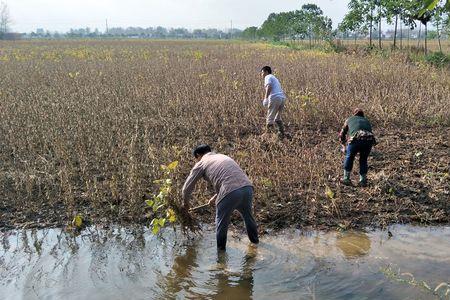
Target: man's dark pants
{"type": "Point", "coordinates": [363, 148]}
{"type": "Point", "coordinates": [241, 200]}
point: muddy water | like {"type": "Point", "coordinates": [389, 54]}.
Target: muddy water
{"type": "Point", "coordinates": [132, 264]}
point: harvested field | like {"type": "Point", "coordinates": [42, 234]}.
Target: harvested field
{"type": "Point", "coordinates": [85, 126]}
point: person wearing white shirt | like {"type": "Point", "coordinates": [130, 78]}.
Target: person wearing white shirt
{"type": "Point", "coordinates": [274, 100]}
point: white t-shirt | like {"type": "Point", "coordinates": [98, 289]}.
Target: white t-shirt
{"type": "Point", "coordinates": [277, 91]}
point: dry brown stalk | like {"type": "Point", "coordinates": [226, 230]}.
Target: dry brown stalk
{"type": "Point", "coordinates": [85, 126]}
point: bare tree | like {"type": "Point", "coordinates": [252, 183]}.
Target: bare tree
{"type": "Point", "coordinates": [5, 19]}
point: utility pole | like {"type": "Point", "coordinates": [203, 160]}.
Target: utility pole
{"type": "Point", "coordinates": [231, 30]}
{"type": "Point", "coordinates": [106, 26]}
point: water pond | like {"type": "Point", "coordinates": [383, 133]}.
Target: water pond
{"type": "Point", "coordinates": [131, 263]}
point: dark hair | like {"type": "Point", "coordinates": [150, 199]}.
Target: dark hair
{"type": "Point", "coordinates": [267, 69]}
{"type": "Point", "coordinates": [201, 150]}
{"type": "Point", "coordinates": [358, 112]}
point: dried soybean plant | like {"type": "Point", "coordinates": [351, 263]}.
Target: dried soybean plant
{"type": "Point", "coordinates": [85, 126]}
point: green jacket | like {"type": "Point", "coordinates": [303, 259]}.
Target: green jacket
{"type": "Point", "coordinates": [355, 125]}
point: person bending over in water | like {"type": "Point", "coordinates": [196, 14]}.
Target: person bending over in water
{"type": "Point", "coordinates": [234, 191]}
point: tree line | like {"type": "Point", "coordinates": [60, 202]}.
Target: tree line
{"type": "Point", "coordinates": [139, 32]}
{"type": "Point", "coordinates": [364, 15]}
{"type": "Point", "coordinates": [155, 32]}
{"type": "Point", "coordinates": [307, 23]}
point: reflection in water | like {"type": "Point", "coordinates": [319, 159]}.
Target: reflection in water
{"type": "Point", "coordinates": [222, 282]}
{"type": "Point", "coordinates": [353, 244]}
{"type": "Point", "coordinates": [240, 285]}
{"type": "Point", "coordinates": [182, 269]}
{"type": "Point", "coordinates": [120, 263]}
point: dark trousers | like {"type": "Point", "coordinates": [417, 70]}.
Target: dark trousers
{"type": "Point", "coordinates": [241, 200]}
{"type": "Point", "coordinates": [355, 147]}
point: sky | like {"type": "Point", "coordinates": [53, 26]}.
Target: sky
{"type": "Point", "coordinates": [61, 15]}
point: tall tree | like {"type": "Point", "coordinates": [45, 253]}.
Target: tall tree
{"type": "Point", "coordinates": [250, 33]}
{"type": "Point", "coordinates": [416, 13]}
{"type": "Point", "coordinates": [394, 14]}
{"type": "Point", "coordinates": [309, 22]}
{"type": "Point", "coordinates": [311, 13]}
{"type": "Point", "coordinates": [439, 16]}
{"type": "Point", "coordinates": [277, 26]}
{"type": "Point", "coordinates": [426, 12]}
{"type": "Point", "coordinates": [319, 26]}
{"type": "Point", "coordinates": [379, 17]}
{"type": "Point", "coordinates": [354, 22]}
{"type": "Point", "coordinates": [299, 25]}
{"type": "Point", "coordinates": [361, 15]}
{"type": "Point", "coordinates": [446, 24]}
{"type": "Point", "coordinates": [429, 5]}
{"type": "Point", "coordinates": [5, 18]}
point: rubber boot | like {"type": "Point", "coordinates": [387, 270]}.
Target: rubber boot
{"type": "Point", "coordinates": [363, 180]}
{"type": "Point", "coordinates": [346, 180]}
{"type": "Point", "coordinates": [280, 129]}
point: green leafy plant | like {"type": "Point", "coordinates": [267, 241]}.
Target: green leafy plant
{"type": "Point", "coordinates": [198, 55]}
{"type": "Point", "coordinates": [438, 59]}
{"type": "Point", "coordinates": [163, 214]}
{"type": "Point", "coordinates": [77, 221]}
{"type": "Point", "coordinates": [329, 193]}
{"type": "Point", "coordinates": [266, 183]}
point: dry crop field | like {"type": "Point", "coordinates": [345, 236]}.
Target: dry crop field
{"type": "Point", "coordinates": [85, 126]}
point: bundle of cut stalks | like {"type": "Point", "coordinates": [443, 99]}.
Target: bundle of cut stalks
{"type": "Point", "coordinates": [187, 221]}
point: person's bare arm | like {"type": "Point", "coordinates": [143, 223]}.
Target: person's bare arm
{"type": "Point", "coordinates": [268, 91]}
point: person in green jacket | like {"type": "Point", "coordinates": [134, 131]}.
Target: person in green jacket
{"type": "Point", "coordinates": [356, 137]}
